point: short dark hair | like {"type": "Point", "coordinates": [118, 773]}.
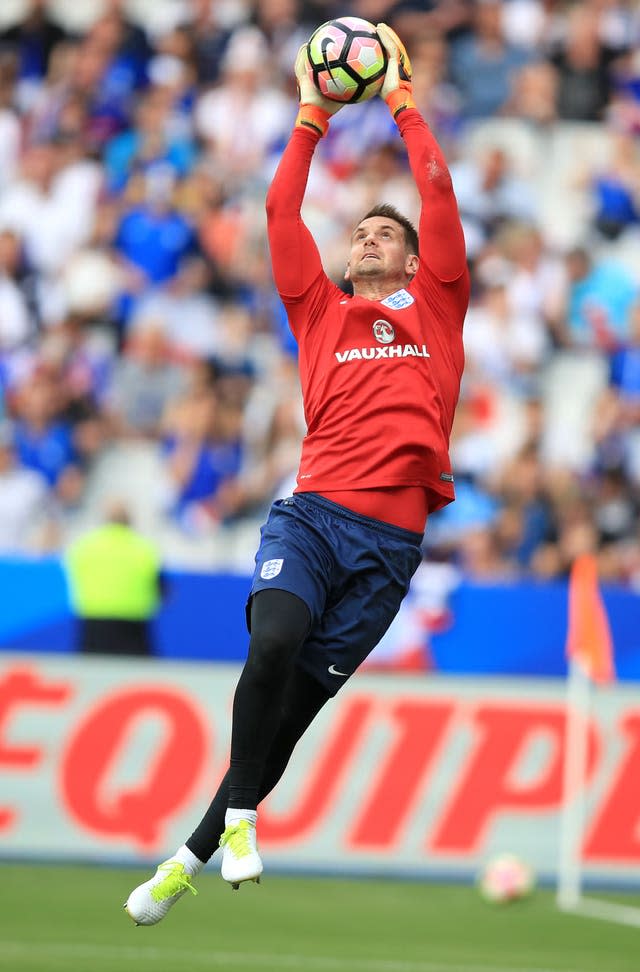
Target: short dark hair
{"type": "Point", "coordinates": [387, 211]}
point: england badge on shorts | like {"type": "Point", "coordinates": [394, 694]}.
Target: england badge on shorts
{"type": "Point", "coordinates": [271, 569]}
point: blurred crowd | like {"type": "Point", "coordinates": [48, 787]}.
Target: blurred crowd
{"type": "Point", "coordinates": [138, 317]}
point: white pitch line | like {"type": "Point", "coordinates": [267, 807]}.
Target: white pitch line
{"type": "Point", "coordinates": [606, 910]}
{"type": "Point", "coordinates": [214, 959]}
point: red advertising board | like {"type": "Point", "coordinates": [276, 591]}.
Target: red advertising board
{"type": "Point", "coordinates": [107, 759]}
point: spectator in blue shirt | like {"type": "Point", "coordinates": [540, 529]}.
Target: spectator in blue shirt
{"type": "Point", "coordinates": [122, 51]}
{"type": "Point", "coordinates": [600, 302]}
{"type": "Point", "coordinates": [625, 366]}
{"type": "Point", "coordinates": [153, 236]}
{"type": "Point", "coordinates": [33, 38]}
{"type": "Point", "coordinates": [483, 65]}
{"type": "Point", "coordinates": [44, 442]}
{"type": "Point", "coordinates": [202, 451]}
{"type": "Point", "coordinates": [615, 188]}
{"type": "Point", "coordinates": [148, 143]}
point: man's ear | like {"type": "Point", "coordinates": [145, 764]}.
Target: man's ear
{"type": "Point", "coordinates": [411, 264]}
{"type": "Point", "coordinates": [347, 272]}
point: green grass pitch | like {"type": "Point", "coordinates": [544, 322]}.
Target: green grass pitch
{"type": "Point", "coordinates": [59, 919]}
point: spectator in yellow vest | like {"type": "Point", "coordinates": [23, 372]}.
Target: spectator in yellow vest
{"type": "Point", "coordinates": [113, 574]}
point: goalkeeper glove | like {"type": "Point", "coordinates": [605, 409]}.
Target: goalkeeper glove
{"type": "Point", "coordinates": [396, 90]}
{"type": "Point", "coordinates": [315, 110]}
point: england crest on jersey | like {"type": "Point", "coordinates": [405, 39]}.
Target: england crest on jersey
{"type": "Point", "coordinates": [271, 569]}
{"type": "Point", "coordinates": [399, 300]}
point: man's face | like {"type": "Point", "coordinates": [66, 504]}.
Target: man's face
{"type": "Point", "coordinates": [378, 250]}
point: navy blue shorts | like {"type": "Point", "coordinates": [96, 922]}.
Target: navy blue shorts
{"type": "Point", "coordinates": [351, 571]}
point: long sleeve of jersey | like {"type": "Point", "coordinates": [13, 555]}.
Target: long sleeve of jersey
{"type": "Point", "coordinates": [294, 255]}
{"type": "Point", "coordinates": [442, 247]}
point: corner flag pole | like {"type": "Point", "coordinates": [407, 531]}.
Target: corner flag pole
{"type": "Point", "coordinates": [569, 890]}
{"type": "Point", "coordinates": [590, 654]}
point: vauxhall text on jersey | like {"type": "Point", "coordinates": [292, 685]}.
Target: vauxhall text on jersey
{"type": "Point", "coordinates": [395, 351]}
{"type": "Point", "coordinates": [380, 379]}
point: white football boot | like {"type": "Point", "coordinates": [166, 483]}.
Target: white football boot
{"type": "Point", "coordinates": [240, 859]}
{"type": "Point", "coordinates": [149, 902]}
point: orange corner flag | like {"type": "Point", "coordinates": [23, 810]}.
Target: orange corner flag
{"type": "Point", "coordinates": [589, 640]}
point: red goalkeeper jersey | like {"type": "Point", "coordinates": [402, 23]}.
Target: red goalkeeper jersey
{"type": "Point", "coordinates": [380, 379]}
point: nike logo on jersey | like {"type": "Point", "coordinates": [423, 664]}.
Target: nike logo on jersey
{"type": "Point", "coordinates": [399, 300]}
{"type": "Point", "coordinates": [390, 351]}
{"type": "Point", "coordinates": [334, 671]}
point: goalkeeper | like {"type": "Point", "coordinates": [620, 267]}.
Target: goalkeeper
{"type": "Point", "coordinates": [380, 374]}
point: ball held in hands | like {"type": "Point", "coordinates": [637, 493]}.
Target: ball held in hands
{"type": "Point", "coordinates": [347, 61]}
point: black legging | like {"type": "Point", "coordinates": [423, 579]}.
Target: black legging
{"type": "Point", "coordinates": [274, 703]}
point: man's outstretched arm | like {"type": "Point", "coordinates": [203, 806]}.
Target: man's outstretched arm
{"type": "Point", "coordinates": [294, 255]}
{"type": "Point", "coordinates": [442, 247]}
